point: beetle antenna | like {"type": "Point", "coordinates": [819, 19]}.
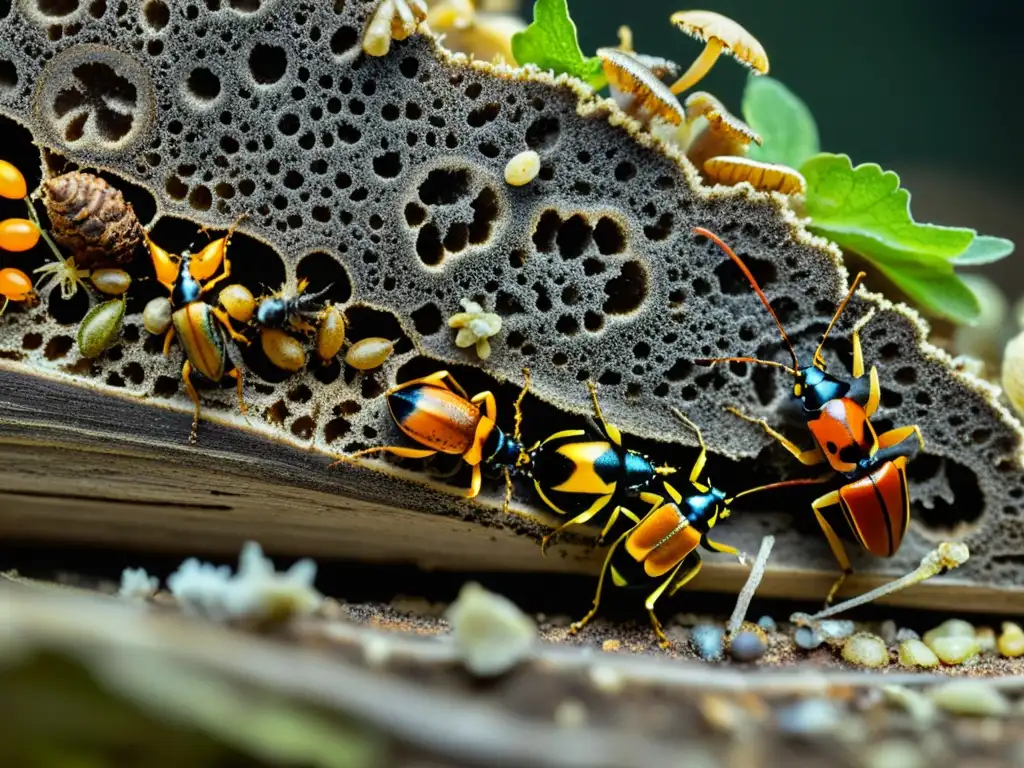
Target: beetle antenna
{"type": "Point", "coordinates": [782, 484]}
{"type": "Point", "coordinates": [756, 360]}
{"type": "Point", "coordinates": [819, 361]}
{"type": "Point", "coordinates": [753, 284]}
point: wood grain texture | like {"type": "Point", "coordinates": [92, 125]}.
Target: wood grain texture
{"type": "Point", "coordinates": [84, 468]}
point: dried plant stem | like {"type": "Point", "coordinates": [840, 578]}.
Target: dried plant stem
{"type": "Point", "coordinates": [753, 581]}
{"type": "Point", "coordinates": [943, 558]}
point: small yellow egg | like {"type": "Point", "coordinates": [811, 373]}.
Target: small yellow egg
{"type": "Point", "coordinates": [156, 315]}
{"type": "Point", "coordinates": [282, 350]}
{"type": "Point", "coordinates": [330, 335]}
{"type": "Point", "coordinates": [113, 282]}
{"type": "Point", "coordinates": [367, 354]}
{"type": "Point", "coordinates": [100, 328]}
{"type": "Point", "coordinates": [523, 168]}
{"type": "Point", "coordinates": [238, 302]}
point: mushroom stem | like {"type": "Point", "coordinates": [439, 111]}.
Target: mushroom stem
{"type": "Point", "coordinates": [700, 67]}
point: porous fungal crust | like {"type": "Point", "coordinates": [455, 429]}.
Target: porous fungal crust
{"type": "Point", "coordinates": [383, 178]}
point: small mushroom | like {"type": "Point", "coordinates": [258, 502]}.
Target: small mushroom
{"type": "Point", "coordinates": [765, 177]}
{"type": "Point", "coordinates": [719, 33]}
{"type": "Point", "coordinates": [637, 89]}
{"type": "Point", "coordinates": [724, 135]}
{"type": "Point", "coordinates": [393, 20]}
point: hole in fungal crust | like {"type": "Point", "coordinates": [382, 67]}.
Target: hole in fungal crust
{"type": "Point", "coordinates": [732, 281]}
{"type": "Point", "coordinates": [245, 6]}
{"type": "Point", "coordinates": [203, 84]}
{"type": "Point", "coordinates": [609, 237]}
{"type": "Point", "coordinates": [543, 133]}
{"type": "Point", "coordinates": [336, 429]}
{"type": "Point", "coordinates": [388, 165]}
{"type": "Point", "coordinates": [157, 14]}
{"type": "Point", "coordinates": [362, 322]}
{"type": "Point", "coordinates": [324, 272]}
{"type": "Point", "coordinates": [428, 245]}
{"type": "Point", "coordinates": [57, 8]}
{"type": "Point", "coordinates": [58, 347]}
{"type": "Point", "coordinates": [95, 97]}
{"type": "Point", "coordinates": [415, 214]}
{"type": "Point", "coordinates": [444, 187]}
{"type": "Point", "coordinates": [627, 291]}
{"type": "Point", "coordinates": [344, 40]}
{"type": "Point", "coordinates": [485, 212]}
{"type": "Point", "coordinates": [427, 319]}
{"type": "Point", "coordinates": [573, 237]}
{"type": "Point", "coordinates": [304, 427]}
{"type": "Point", "coordinates": [546, 230]}
{"type": "Point", "coordinates": [68, 311]}
{"type": "Point", "coordinates": [946, 516]}
{"type": "Point", "coordinates": [267, 63]}
{"type": "Point", "coordinates": [8, 76]}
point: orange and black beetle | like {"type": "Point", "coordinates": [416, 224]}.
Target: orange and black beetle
{"type": "Point", "coordinates": [663, 544]}
{"type": "Point", "coordinates": [875, 501]}
{"type": "Point", "coordinates": [198, 325]}
{"type": "Point", "coordinates": [436, 412]}
{"type": "Point", "coordinates": [579, 474]}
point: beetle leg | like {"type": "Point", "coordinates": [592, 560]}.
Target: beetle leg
{"type": "Point", "coordinates": [610, 430]}
{"type": "Point", "coordinates": [237, 376]}
{"type": "Point", "coordinates": [625, 512]}
{"type": "Point", "coordinates": [508, 490]}
{"type": "Point", "coordinates": [898, 435]}
{"type": "Point", "coordinates": [225, 271]}
{"type": "Point", "coordinates": [474, 483]}
{"type": "Point", "coordinates": [225, 320]}
{"type": "Point", "coordinates": [715, 546]}
{"type": "Point", "coordinates": [490, 404]}
{"type": "Point", "coordinates": [518, 406]}
{"type": "Point", "coordinates": [830, 500]}
{"type": "Point", "coordinates": [702, 457]}
{"type": "Point", "coordinates": [578, 625]}
{"type": "Point", "coordinates": [580, 519]}
{"type": "Point", "coordinates": [808, 458]}
{"type": "Point", "coordinates": [874, 393]}
{"type": "Point", "coordinates": [693, 563]}
{"type": "Point", "coordinates": [397, 450]}
{"type": "Point", "coordinates": [167, 341]}
{"type": "Point", "coordinates": [186, 376]}
{"type": "Point", "coordinates": [441, 379]}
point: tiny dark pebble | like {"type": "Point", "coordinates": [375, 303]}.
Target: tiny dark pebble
{"type": "Point", "coordinates": [807, 638]}
{"type": "Point", "coordinates": [708, 641]}
{"type": "Point", "coordinates": [747, 646]}
{"type": "Point", "coordinates": [767, 623]}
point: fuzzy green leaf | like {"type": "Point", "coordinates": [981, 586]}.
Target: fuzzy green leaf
{"type": "Point", "coordinates": [935, 289]}
{"type": "Point", "coordinates": [865, 209]}
{"type": "Point", "coordinates": [550, 42]}
{"type": "Point", "coordinates": [782, 119]}
{"type": "Point", "coordinates": [984, 250]}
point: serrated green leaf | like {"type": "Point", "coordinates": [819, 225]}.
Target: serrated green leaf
{"type": "Point", "coordinates": [550, 42]}
{"type": "Point", "coordinates": [786, 126]}
{"type": "Point", "coordinates": [985, 249]}
{"type": "Point", "coordinates": [865, 209]}
{"type": "Point", "coordinates": [937, 290]}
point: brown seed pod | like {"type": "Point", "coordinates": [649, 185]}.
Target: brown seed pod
{"type": "Point", "coordinates": [92, 219]}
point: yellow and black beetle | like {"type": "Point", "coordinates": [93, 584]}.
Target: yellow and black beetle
{"type": "Point", "coordinates": [663, 544]}
{"type": "Point", "coordinates": [199, 326]}
{"type": "Point", "coordinates": [579, 474]}
{"type": "Point", "coordinates": [436, 412]}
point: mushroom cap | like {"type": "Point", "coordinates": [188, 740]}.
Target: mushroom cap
{"type": "Point", "coordinates": [628, 75]}
{"type": "Point", "coordinates": [763, 176]}
{"type": "Point", "coordinates": [720, 119]}
{"type": "Point", "coordinates": [708, 25]}
{"type": "Point", "coordinates": [663, 69]}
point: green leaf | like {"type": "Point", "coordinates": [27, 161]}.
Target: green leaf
{"type": "Point", "coordinates": [984, 250]}
{"type": "Point", "coordinates": [550, 42]}
{"type": "Point", "coordinates": [937, 290]}
{"type": "Point", "coordinates": [782, 119]}
{"type": "Point", "coordinates": [865, 209]}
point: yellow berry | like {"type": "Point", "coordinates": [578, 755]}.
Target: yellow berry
{"type": "Point", "coordinates": [238, 302]}
{"type": "Point", "coordinates": [914, 653]}
{"type": "Point", "coordinates": [282, 350]}
{"type": "Point", "coordinates": [523, 168]}
{"type": "Point", "coordinates": [12, 183]}
{"type": "Point", "coordinates": [1011, 641]}
{"type": "Point", "coordinates": [330, 335]}
{"type": "Point", "coordinates": [866, 650]}
{"type": "Point", "coordinates": [18, 235]}
{"type": "Point", "coordinates": [113, 282]}
{"type": "Point", "coordinates": [15, 285]}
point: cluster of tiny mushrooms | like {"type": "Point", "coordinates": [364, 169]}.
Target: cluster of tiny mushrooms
{"type": "Point", "coordinates": [91, 218]}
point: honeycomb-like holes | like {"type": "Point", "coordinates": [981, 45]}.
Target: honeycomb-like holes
{"type": "Point", "coordinates": [268, 64]}
{"type": "Point", "coordinates": [95, 99]}
{"type": "Point", "coordinates": [325, 273]}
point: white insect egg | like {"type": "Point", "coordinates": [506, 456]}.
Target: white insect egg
{"type": "Point", "coordinates": [523, 168]}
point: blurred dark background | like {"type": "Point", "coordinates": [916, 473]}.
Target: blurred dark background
{"type": "Point", "coordinates": [931, 90]}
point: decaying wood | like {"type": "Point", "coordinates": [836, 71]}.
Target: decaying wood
{"type": "Point", "coordinates": [80, 467]}
{"type": "Point", "coordinates": [629, 710]}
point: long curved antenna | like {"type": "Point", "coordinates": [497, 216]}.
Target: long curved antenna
{"type": "Point", "coordinates": [819, 361]}
{"type": "Point", "coordinates": [753, 284]}
{"type": "Point", "coordinates": [715, 360]}
{"type": "Point", "coordinates": [782, 484]}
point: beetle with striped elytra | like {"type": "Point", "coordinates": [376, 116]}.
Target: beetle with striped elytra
{"type": "Point", "coordinates": [874, 498]}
